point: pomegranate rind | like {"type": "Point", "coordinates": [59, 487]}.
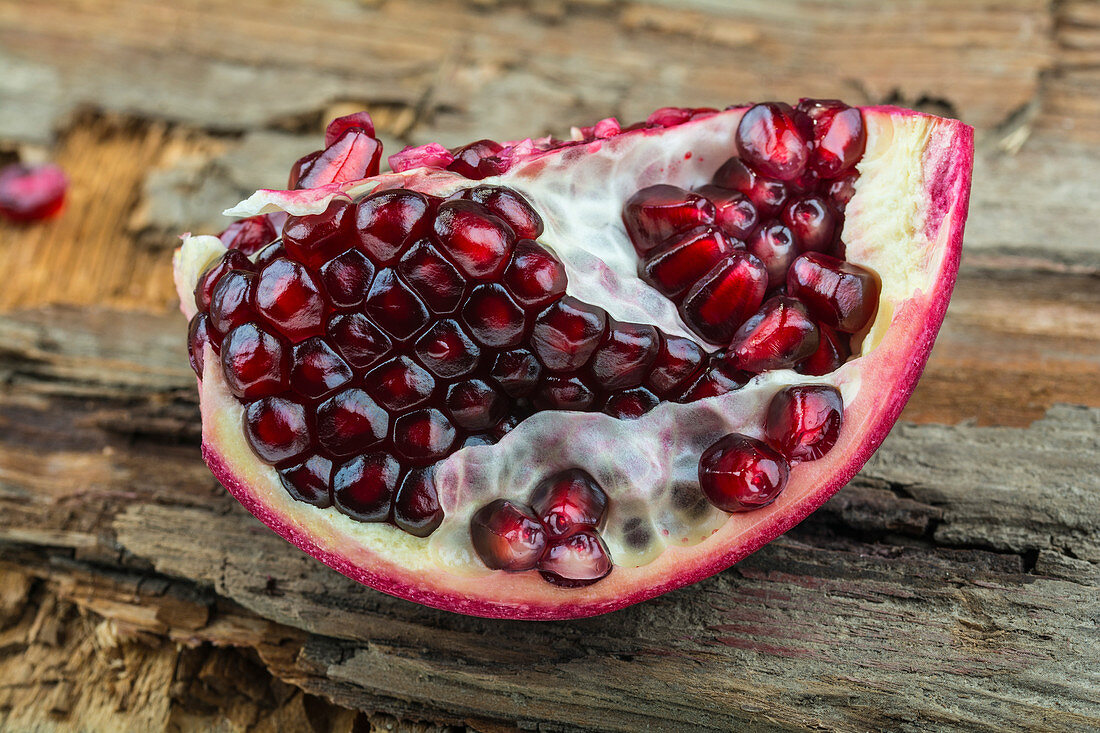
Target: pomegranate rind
{"type": "Point", "coordinates": [876, 387]}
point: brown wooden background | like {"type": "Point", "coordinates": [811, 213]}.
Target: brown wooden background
{"type": "Point", "coordinates": [954, 584]}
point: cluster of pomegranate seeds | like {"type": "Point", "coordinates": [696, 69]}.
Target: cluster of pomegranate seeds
{"type": "Point", "coordinates": [557, 533]}
{"type": "Point", "coordinates": [29, 193]}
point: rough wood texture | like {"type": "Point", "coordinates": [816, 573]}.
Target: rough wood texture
{"type": "Point", "coordinates": [953, 585]}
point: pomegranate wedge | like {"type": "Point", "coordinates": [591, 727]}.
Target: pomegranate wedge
{"type": "Point", "coordinates": [551, 378]}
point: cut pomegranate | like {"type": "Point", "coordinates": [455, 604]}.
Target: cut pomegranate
{"type": "Point", "coordinates": [429, 355]}
{"type": "Point", "coordinates": [29, 193]}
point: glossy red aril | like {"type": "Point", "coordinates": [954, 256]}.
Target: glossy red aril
{"type": "Point", "coordinates": [567, 499]}
{"type": "Point", "coordinates": [493, 318]}
{"type": "Point", "coordinates": [474, 239]}
{"type": "Point", "coordinates": [778, 336]}
{"type": "Point", "coordinates": [395, 307]}
{"type": "Point", "coordinates": [507, 536]}
{"type": "Point", "coordinates": [630, 404]}
{"type": "Point", "coordinates": [353, 155]}
{"type": "Point", "coordinates": [416, 507]}
{"type": "Point", "coordinates": [535, 277]}
{"type": "Point", "coordinates": [734, 214]}
{"type": "Point", "coordinates": [447, 351]}
{"type": "Point", "coordinates": [813, 222]}
{"type": "Point", "coordinates": [832, 351]}
{"type": "Point", "coordinates": [434, 278]}
{"type": "Point", "coordinates": [564, 392]}
{"type": "Point", "coordinates": [711, 383]}
{"type": "Point", "coordinates": [767, 196]}
{"type": "Point", "coordinates": [316, 369]}
{"type": "Point", "coordinates": [198, 337]}
{"type": "Point", "coordinates": [350, 422]}
{"type": "Point", "coordinates": [475, 404]}
{"type": "Point", "coordinates": [774, 139]}
{"type": "Point", "coordinates": [400, 384]}
{"type": "Point", "coordinates": [364, 487]}
{"type": "Point", "coordinates": [289, 298]}
{"type": "Point", "coordinates": [252, 234]}
{"type": "Point", "coordinates": [355, 121]}
{"type": "Point", "coordinates": [231, 302]}
{"type": "Point", "coordinates": [625, 356]}
{"type": "Point", "coordinates": [839, 136]}
{"type": "Point", "coordinates": [774, 244]}
{"type": "Point", "coordinates": [424, 436]}
{"type": "Point", "coordinates": [360, 342]}
{"type": "Point", "coordinates": [29, 193]}
{"type": "Point", "coordinates": [578, 559]}
{"type": "Point", "coordinates": [566, 334]}
{"type": "Point", "coordinates": [347, 278]}
{"type": "Point", "coordinates": [314, 239]}
{"type": "Point", "coordinates": [678, 262]}
{"type": "Point", "coordinates": [722, 299]}
{"type": "Point", "coordinates": [803, 422]}
{"type": "Point", "coordinates": [842, 190]}
{"type": "Point", "coordinates": [254, 362]}
{"type": "Point", "coordinates": [309, 481]}
{"type": "Point", "coordinates": [517, 372]}
{"type": "Point", "coordinates": [739, 473]}
{"type": "Point", "coordinates": [477, 160]}
{"type": "Point", "coordinates": [388, 222]}
{"type": "Point", "coordinates": [509, 206]}
{"type": "Point", "coordinates": [655, 213]}
{"type": "Point", "coordinates": [678, 361]}
{"type": "Point", "coordinates": [839, 293]}
{"type": "Point", "coordinates": [277, 429]}
{"type": "Point", "coordinates": [204, 290]}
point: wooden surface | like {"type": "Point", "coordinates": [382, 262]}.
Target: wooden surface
{"type": "Point", "coordinates": [954, 585]}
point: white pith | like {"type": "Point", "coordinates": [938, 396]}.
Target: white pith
{"type": "Point", "coordinates": [636, 462]}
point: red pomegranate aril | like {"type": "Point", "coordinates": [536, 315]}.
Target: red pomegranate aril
{"type": "Point", "coordinates": [249, 236]}
{"type": "Point", "coordinates": [347, 278]}
{"type": "Point", "coordinates": [535, 277]}
{"type": "Point", "coordinates": [721, 300]}
{"type": "Point", "coordinates": [277, 428]}
{"type": "Point", "coordinates": [435, 279]}
{"type": "Point", "coordinates": [316, 370]}
{"type": "Point", "coordinates": [774, 244]}
{"type": "Point", "coordinates": [678, 361]}
{"type": "Point", "coordinates": [813, 222]}
{"type": "Point", "coordinates": [204, 290]}
{"type": "Point", "coordinates": [477, 160]}
{"type": "Point", "coordinates": [655, 213]}
{"type": "Point", "coordinates": [625, 356]}
{"type": "Point", "coordinates": [474, 239]}
{"type": "Point", "coordinates": [842, 190]}
{"type": "Point", "coordinates": [507, 536]}
{"type": "Point", "coordinates": [355, 121]}
{"type": "Point", "coordinates": [269, 254]}
{"type": "Point", "coordinates": [563, 392]}
{"type": "Point", "coordinates": [475, 404]}
{"type": "Point", "coordinates": [567, 499]}
{"type": "Point", "coordinates": [400, 384]}
{"type": "Point", "coordinates": [360, 342]}
{"type": "Point", "coordinates": [352, 156]}
{"type": "Point", "coordinates": [509, 206]}
{"type": "Point", "coordinates": [578, 559]}
{"type": "Point", "coordinates": [231, 302]}
{"type": "Point", "coordinates": [493, 318]}
{"type": "Point", "coordinates": [350, 422]}
{"type": "Point", "coordinates": [778, 336]}
{"type": "Point", "coordinates": [314, 239]}
{"type": "Point", "coordinates": [30, 193]}
{"type": "Point", "coordinates": [363, 488]}
{"type": "Point", "coordinates": [735, 214]}
{"type": "Point", "coordinates": [630, 404]}
{"type": "Point", "coordinates": [566, 334]}
{"type": "Point", "coordinates": [289, 298]}
{"type": "Point", "coordinates": [447, 351]}
{"type": "Point", "coordinates": [198, 336]}
{"type": "Point", "coordinates": [712, 383]}
{"type": "Point", "coordinates": [395, 307]}
{"type": "Point", "coordinates": [388, 222]}
{"type": "Point", "coordinates": [839, 136]}
{"type": "Point", "coordinates": [416, 507]}
{"type": "Point", "coordinates": [803, 422]}
{"type": "Point", "coordinates": [301, 167]}
{"type": "Point", "coordinates": [309, 481]}
{"type": "Point", "coordinates": [505, 426]}
{"type": "Point", "coordinates": [766, 195]}
{"type": "Point", "coordinates": [774, 139]}
{"type": "Point", "coordinates": [424, 435]}
{"type": "Point", "coordinates": [832, 351]}
{"type": "Point", "coordinates": [841, 294]}
{"type": "Point", "coordinates": [254, 362]}
{"type": "Point", "coordinates": [679, 261]}
{"type": "Point", "coordinates": [517, 372]}
{"type": "Point", "coordinates": [739, 473]}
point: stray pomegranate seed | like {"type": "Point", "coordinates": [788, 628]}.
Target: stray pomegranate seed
{"type": "Point", "coordinates": [566, 334]}
{"type": "Point", "coordinates": [735, 214]}
{"type": "Point", "coordinates": [678, 361]}
{"type": "Point", "coordinates": [424, 435]}
{"type": "Point", "coordinates": [395, 307]}
{"type": "Point", "coordinates": [231, 303]}
{"type": "Point", "coordinates": [277, 429]}
{"type": "Point", "coordinates": [535, 277]}
{"type": "Point", "coordinates": [389, 221]}
{"type": "Point", "coordinates": [477, 160]}
{"type": "Point", "coordinates": [363, 488]}
{"type": "Point", "coordinates": [198, 336]}
{"type": "Point", "coordinates": [350, 422]}
{"type": "Point", "coordinates": [400, 384]}
{"type": "Point", "coordinates": [625, 356]}
{"type": "Point", "coordinates": [839, 136]}
{"type": "Point", "coordinates": [509, 206]}
{"type": "Point", "coordinates": [358, 340]}
{"type": "Point", "coordinates": [841, 294]}
{"type": "Point", "coordinates": [803, 422]}
{"type": "Point", "coordinates": [813, 222]}
{"type": "Point", "coordinates": [446, 351]}
{"type": "Point", "coordinates": [775, 246]}
{"type": "Point", "coordinates": [254, 362]}
{"type": "Point", "coordinates": [340, 125]}
{"type": "Point", "coordinates": [778, 336]}
{"type": "Point", "coordinates": [433, 277]}
{"type": "Point", "coordinates": [416, 508]}
{"type": "Point", "coordinates": [563, 392]}
{"type": "Point", "coordinates": [352, 156]}
{"type": "Point", "coordinates": [630, 404]}
{"type": "Point", "coordinates": [249, 235]}
{"type": "Point", "coordinates": [29, 193]}
{"type": "Point", "coordinates": [477, 241]}
{"type": "Point", "coordinates": [739, 473]}
{"type": "Point", "coordinates": [766, 195]}
{"type": "Point", "coordinates": [315, 239]}
{"type": "Point", "coordinates": [309, 481]}
{"type": "Point", "coordinates": [678, 262]}
{"type": "Point", "coordinates": [289, 298]}
{"type": "Point", "coordinates": [712, 383]}
{"type": "Point", "coordinates": [517, 372]}
{"type": "Point", "coordinates": [578, 559]}
{"type": "Point", "coordinates": [507, 536]}
{"type": "Point", "coordinates": [723, 298]}
{"type": "Point", "coordinates": [655, 213]}
{"type": "Point", "coordinates": [316, 370]}
{"type": "Point", "coordinates": [347, 278]}
{"type": "Point", "coordinates": [204, 289]}
{"type": "Point", "coordinates": [569, 498]}
{"type": "Point", "coordinates": [832, 351]}
{"type": "Point", "coordinates": [475, 405]}
{"type": "Point", "coordinates": [493, 318]}
{"type": "Point", "coordinates": [773, 138]}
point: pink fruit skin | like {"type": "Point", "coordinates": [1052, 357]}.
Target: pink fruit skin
{"type": "Point", "coordinates": [892, 369]}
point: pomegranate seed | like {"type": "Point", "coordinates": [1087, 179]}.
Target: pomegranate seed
{"type": "Point", "coordinates": [562, 392]}
{"type": "Point", "coordinates": [289, 298]}
{"type": "Point", "coordinates": [739, 473]}
{"type": "Point", "coordinates": [723, 298]}
{"type": "Point", "coordinates": [363, 488]}
{"type": "Point", "coordinates": [630, 404]}
{"type": "Point", "coordinates": [626, 354]}
{"type": "Point", "coordinates": [352, 156]}
{"type": "Point", "coordinates": [779, 336]}
{"type": "Point", "coordinates": [839, 136]}
{"type": "Point", "coordinates": [204, 289]}
{"type": "Point", "coordinates": [655, 213]}
{"type": "Point", "coordinates": [446, 351]}
{"type": "Point", "coordinates": [535, 277]}
{"type": "Point", "coordinates": [509, 206]}
{"type": "Point", "coordinates": [347, 278]}
{"type": "Point", "coordinates": [315, 239]}
{"type": "Point", "coordinates": [493, 318]}
{"type": "Point", "coordinates": [29, 193]}
{"type": "Point", "coordinates": [678, 361]}
{"type": "Point", "coordinates": [566, 334]}
{"type": "Point", "coordinates": [231, 303]}
{"type": "Point", "coordinates": [400, 384]}
{"type": "Point", "coordinates": [840, 294]}
{"type": "Point", "coordinates": [254, 362]}
{"type": "Point", "coordinates": [674, 265]}
{"type": "Point", "coordinates": [309, 481]}
{"type": "Point", "coordinates": [277, 429]}
{"type": "Point", "coordinates": [433, 277]}
{"type": "Point", "coordinates": [505, 426]}
{"type": "Point", "coordinates": [477, 160]}
{"type": "Point", "coordinates": [416, 508]}
{"type": "Point", "coordinates": [424, 435]}
{"type": "Point", "coordinates": [356, 121]}
{"type": "Point", "coordinates": [735, 214]}
{"type": "Point", "coordinates": [316, 370]}
{"type": "Point", "coordinates": [350, 422]}
{"type": "Point", "coordinates": [775, 246]}
{"type": "Point", "coordinates": [773, 138]}
{"type": "Point", "coordinates": [712, 383]}
{"type": "Point", "coordinates": [517, 372]}
{"type": "Point", "coordinates": [475, 405]}
{"type": "Point", "coordinates": [198, 336]}
{"type": "Point", "coordinates": [832, 351]}
{"type": "Point", "coordinates": [389, 221]}
{"type": "Point", "coordinates": [766, 195]}
{"type": "Point", "coordinates": [393, 306]}
{"type": "Point", "coordinates": [250, 235]}
{"type": "Point", "coordinates": [301, 168]}
{"type": "Point", "coordinates": [507, 536]}
{"type": "Point", "coordinates": [269, 254]}
{"type": "Point", "coordinates": [567, 499]}
{"type": "Point", "coordinates": [803, 422]}
{"type": "Point", "coordinates": [842, 190]}
{"type": "Point", "coordinates": [358, 340]}
{"type": "Point", "coordinates": [578, 559]}
{"type": "Point", "coordinates": [477, 241]}
{"type": "Point", "coordinates": [813, 222]}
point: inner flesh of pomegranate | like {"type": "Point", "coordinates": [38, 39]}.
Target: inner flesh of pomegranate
{"type": "Point", "coordinates": [372, 340]}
